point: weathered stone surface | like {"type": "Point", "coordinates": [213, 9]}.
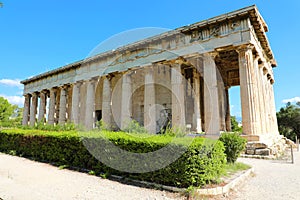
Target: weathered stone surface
{"type": "Point", "coordinates": [262, 152]}
{"type": "Point", "coordinates": [256, 145]}
{"type": "Point", "coordinates": [194, 68]}
{"type": "Point", "coordinates": [250, 151]}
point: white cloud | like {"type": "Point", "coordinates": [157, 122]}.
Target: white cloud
{"type": "Point", "coordinates": [292, 100]}
{"type": "Point", "coordinates": [17, 100]}
{"type": "Point", "coordinates": [11, 82]}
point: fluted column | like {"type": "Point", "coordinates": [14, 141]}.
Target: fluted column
{"type": "Point", "coordinates": [261, 97]}
{"type": "Point", "coordinates": [62, 105]}
{"type": "Point", "coordinates": [197, 113]}
{"type": "Point", "coordinates": [26, 109]}
{"type": "Point", "coordinates": [273, 111]}
{"type": "Point", "coordinates": [266, 99]}
{"type": "Point", "coordinates": [33, 109]}
{"type": "Point", "coordinates": [211, 98]}
{"type": "Point", "coordinates": [106, 102]}
{"type": "Point", "coordinates": [222, 111]}
{"type": "Point", "coordinates": [75, 103]}
{"type": "Point", "coordinates": [42, 107]}
{"type": "Point", "coordinates": [52, 106]}
{"type": "Point", "coordinates": [126, 107]}
{"type": "Point", "coordinates": [178, 103]}
{"type": "Point", "coordinates": [69, 102]}
{"type": "Point", "coordinates": [90, 105]}
{"type": "Point", "coordinates": [149, 101]}
{"type": "Point", "coordinates": [227, 107]}
{"type": "Point", "coordinates": [248, 92]}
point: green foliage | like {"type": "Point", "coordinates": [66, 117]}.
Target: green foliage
{"type": "Point", "coordinates": [49, 127]}
{"type": "Point", "coordinates": [10, 115]}
{"type": "Point", "coordinates": [202, 161]}
{"type": "Point", "coordinates": [175, 132]}
{"type": "Point", "coordinates": [289, 121]}
{"type": "Point", "coordinates": [135, 127]}
{"type": "Point", "coordinates": [232, 168]}
{"type": "Point", "coordinates": [234, 145]}
{"type": "Point", "coordinates": [235, 125]}
{"type": "Point", "coordinates": [6, 110]}
{"type": "Point", "coordinates": [91, 172]}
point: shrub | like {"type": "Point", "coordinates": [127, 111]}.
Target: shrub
{"type": "Point", "coordinates": [234, 145]}
{"type": "Point", "coordinates": [202, 160]}
{"type": "Point", "coordinates": [134, 127]}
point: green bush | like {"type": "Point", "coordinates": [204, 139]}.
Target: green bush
{"type": "Point", "coordinates": [234, 145]}
{"type": "Point", "coordinates": [134, 127]}
{"type": "Point", "coordinates": [202, 160]}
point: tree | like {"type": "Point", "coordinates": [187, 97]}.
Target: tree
{"type": "Point", "coordinates": [235, 125]}
{"type": "Point", "coordinates": [10, 115]}
{"type": "Point", "coordinates": [6, 110]}
{"type": "Point", "coordinates": [289, 120]}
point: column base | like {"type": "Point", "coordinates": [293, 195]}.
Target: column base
{"type": "Point", "coordinates": [265, 145]}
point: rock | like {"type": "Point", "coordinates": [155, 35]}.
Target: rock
{"type": "Point", "coordinates": [256, 145]}
{"type": "Point", "coordinates": [262, 152]}
{"type": "Point", "coordinates": [290, 142]}
{"type": "Point", "coordinates": [250, 151]}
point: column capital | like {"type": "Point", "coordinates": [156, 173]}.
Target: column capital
{"type": "Point", "coordinates": [44, 92]}
{"type": "Point", "coordinates": [245, 48]}
{"type": "Point", "coordinates": [93, 80]}
{"type": "Point", "coordinates": [54, 89]}
{"type": "Point", "coordinates": [34, 94]}
{"type": "Point", "coordinates": [64, 86]}
{"type": "Point", "coordinates": [77, 83]}
{"type": "Point", "coordinates": [109, 76]}
{"type": "Point", "coordinates": [212, 54]}
{"type": "Point", "coordinates": [27, 95]}
{"type": "Point", "coordinates": [149, 69]}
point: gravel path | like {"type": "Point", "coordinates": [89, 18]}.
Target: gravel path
{"type": "Point", "coordinates": [272, 180]}
{"type": "Point", "coordinates": [21, 178]}
{"type": "Point", "coordinates": [24, 179]}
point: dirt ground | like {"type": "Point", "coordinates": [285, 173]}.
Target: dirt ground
{"type": "Point", "coordinates": [21, 178]}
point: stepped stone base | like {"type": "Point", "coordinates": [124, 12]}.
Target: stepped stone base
{"type": "Point", "coordinates": [264, 145]}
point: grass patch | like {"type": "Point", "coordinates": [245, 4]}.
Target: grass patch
{"type": "Point", "coordinates": [232, 168]}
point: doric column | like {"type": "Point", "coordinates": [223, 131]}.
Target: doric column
{"type": "Point", "coordinates": [227, 107]}
{"type": "Point", "coordinates": [26, 109]}
{"type": "Point", "coordinates": [69, 102]}
{"type": "Point", "coordinates": [126, 106]}
{"type": "Point", "coordinates": [42, 107]}
{"type": "Point", "coordinates": [197, 113]}
{"type": "Point", "coordinates": [248, 92]}
{"type": "Point", "coordinates": [178, 103]}
{"type": "Point", "coordinates": [57, 106]}
{"type": "Point", "coordinates": [33, 109]}
{"type": "Point", "coordinates": [261, 96]}
{"type": "Point", "coordinates": [221, 94]}
{"type": "Point", "coordinates": [106, 102]}
{"type": "Point", "coordinates": [266, 99]}
{"type": "Point", "coordinates": [75, 103]}
{"type": "Point", "coordinates": [90, 105]}
{"type": "Point", "coordinates": [52, 106]}
{"type": "Point", "coordinates": [62, 105]}
{"type": "Point", "coordinates": [149, 101]}
{"type": "Point", "coordinates": [273, 111]}
{"type": "Point", "coordinates": [211, 98]}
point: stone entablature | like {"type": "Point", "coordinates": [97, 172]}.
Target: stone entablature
{"type": "Point", "coordinates": [232, 29]}
{"type": "Point", "coordinates": [181, 77]}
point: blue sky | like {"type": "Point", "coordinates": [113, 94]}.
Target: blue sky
{"type": "Point", "coordinates": [37, 36]}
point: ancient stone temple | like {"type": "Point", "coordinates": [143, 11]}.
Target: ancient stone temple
{"type": "Point", "coordinates": [179, 78]}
